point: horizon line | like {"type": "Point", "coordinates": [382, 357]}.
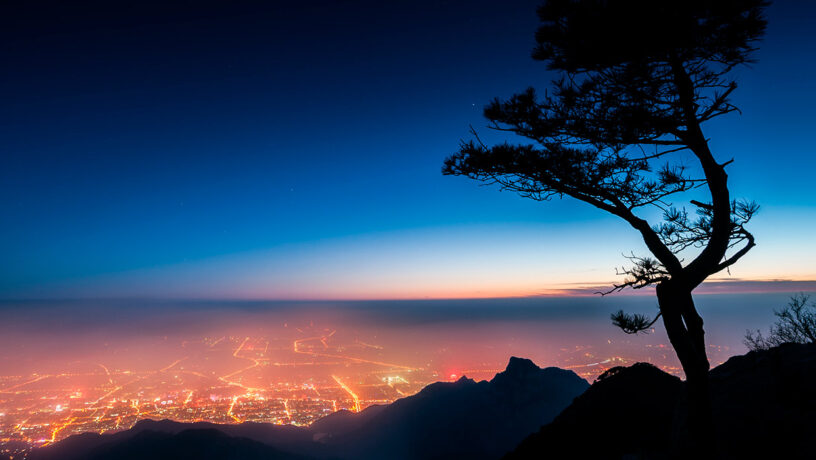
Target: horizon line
{"type": "Point", "coordinates": [713, 287]}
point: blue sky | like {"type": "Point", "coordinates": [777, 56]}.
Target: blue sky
{"type": "Point", "coordinates": [295, 152]}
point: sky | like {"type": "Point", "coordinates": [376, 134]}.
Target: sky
{"type": "Point", "coordinates": [292, 150]}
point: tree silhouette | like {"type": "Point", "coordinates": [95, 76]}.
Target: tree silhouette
{"type": "Point", "coordinates": [621, 130]}
{"type": "Point", "coordinates": [795, 323]}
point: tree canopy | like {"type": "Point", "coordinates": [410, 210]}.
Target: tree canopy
{"type": "Point", "coordinates": [636, 81]}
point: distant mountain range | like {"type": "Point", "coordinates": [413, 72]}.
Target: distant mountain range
{"type": "Point", "coordinates": [476, 420]}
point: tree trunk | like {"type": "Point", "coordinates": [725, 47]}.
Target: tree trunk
{"type": "Point", "coordinates": [684, 327]}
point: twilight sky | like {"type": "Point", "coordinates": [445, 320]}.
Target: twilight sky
{"type": "Point", "coordinates": [292, 150]}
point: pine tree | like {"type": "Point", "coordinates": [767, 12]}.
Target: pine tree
{"type": "Point", "coordinates": [621, 130]}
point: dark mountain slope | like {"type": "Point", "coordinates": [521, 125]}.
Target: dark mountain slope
{"type": "Point", "coordinates": [342, 422]}
{"type": "Point", "coordinates": [465, 419]}
{"type": "Point", "coordinates": [80, 446]}
{"type": "Point", "coordinates": [199, 444]}
{"type": "Point", "coordinates": [626, 411]}
{"type": "Point", "coordinates": [765, 403]}
{"type": "Point", "coordinates": [764, 407]}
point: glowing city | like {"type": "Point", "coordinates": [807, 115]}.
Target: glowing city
{"type": "Point", "coordinates": [294, 374]}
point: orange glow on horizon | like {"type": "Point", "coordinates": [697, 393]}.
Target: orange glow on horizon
{"type": "Point", "coordinates": [713, 286]}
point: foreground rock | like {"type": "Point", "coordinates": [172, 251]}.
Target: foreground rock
{"type": "Point", "coordinates": [764, 407]}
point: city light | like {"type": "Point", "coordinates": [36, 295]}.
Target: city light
{"type": "Point", "coordinates": [294, 376]}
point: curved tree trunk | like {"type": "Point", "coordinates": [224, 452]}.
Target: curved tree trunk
{"type": "Point", "coordinates": [684, 327]}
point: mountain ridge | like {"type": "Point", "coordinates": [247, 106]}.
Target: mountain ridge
{"type": "Point", "coordinates": [763, 406]}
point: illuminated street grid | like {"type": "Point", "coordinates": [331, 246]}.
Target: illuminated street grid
{"type": "Point", "coordinates": [234, 379]}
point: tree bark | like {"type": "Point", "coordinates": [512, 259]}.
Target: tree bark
{"type": "Point", "coordinates": [684, 327]}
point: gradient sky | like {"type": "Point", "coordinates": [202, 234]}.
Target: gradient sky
{"type": "Point", "coordinates": [256, 150]}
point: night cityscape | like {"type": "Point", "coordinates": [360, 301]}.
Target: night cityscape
{"type": "Point", "coordinates": [407, 230]}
